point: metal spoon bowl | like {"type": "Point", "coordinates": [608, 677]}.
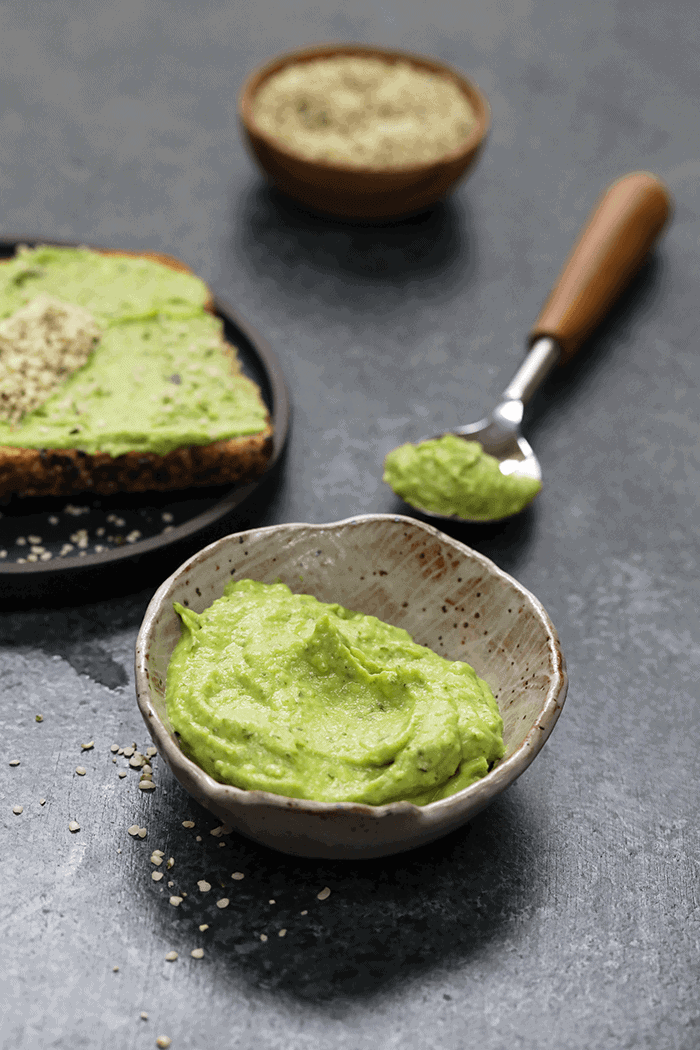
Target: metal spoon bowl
{"type": "Point", "coordinates": [619, 233]}
{"type": "Point", "coordinates": [499, 434]}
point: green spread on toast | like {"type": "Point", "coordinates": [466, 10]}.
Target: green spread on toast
{"type": "Point", "coordinates": [160, 377]}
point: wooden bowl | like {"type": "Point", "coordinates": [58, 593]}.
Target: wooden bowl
{"type": "Point", "coordinates": [348, 191]}
{"type": "Point", "coordinates": [404, 571]}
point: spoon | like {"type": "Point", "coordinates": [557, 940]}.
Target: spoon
{"type": "Point", "coordinates": [619, 233]}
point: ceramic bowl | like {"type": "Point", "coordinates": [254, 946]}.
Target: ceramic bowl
{"type": "Point", "coordinates": [408, 573]}
{"type": "Point", "coordinates": [361, 193]}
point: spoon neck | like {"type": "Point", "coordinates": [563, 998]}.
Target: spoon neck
{"type": "Point", "coordinates": [541, 359]}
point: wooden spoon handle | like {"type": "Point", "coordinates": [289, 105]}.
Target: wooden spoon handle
{"type": "Point", "coordinates": [621, 229]}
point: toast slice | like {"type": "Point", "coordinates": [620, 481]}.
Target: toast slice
{"type": "Point", "coordinates": [160, 402]}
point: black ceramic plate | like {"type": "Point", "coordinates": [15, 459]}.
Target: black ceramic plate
{"type": "Point", "coordinates": [55, 535]}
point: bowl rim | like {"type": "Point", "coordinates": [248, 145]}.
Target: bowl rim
{"type": "Point", "coordinates": [254, 80]}
{"type": "Point", "coordinates": [475, 796]}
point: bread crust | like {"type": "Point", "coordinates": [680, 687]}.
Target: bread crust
{"type": "Point", "coordinates": [66, 472]}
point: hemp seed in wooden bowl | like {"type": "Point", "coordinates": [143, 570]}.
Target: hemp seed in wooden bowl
{"type": "Point", "coordinates": [363, 132]}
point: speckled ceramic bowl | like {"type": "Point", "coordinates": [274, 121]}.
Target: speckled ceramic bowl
{"type": "Point", "coordinates": [347, 191]}
{"type": "Point", "coordinates": [408, 573]}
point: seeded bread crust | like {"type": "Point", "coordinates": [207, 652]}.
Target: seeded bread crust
{"type": "Point", "coordinates": [66, 472]}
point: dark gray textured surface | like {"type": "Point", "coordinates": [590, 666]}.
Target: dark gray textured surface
{"type": "Point", "coordinates": [568, 914]}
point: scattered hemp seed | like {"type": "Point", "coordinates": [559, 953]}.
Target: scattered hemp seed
{"type": "Point", "coordinates": [163, 1042]}
{"type": "Point", "coordinates": [324, 894]}
{"type": "Point", "coordinates": [115, 969]}
{"type": "Point", "coordinates": [142, 832]}
{"type": "Point", "coordinates": [136, 761]}
{"type": "Point", "coordinates": [38, 718]}
{"type": "Point", "coordinates": [263, 937]}
{"type": "Point", "coordinates": [121, 774]}
{"type": "Point", "coordinates": [272, 901]}
{"type": "Point", "coordinates": [171, 956]}
{"type": "Point", "coordinates": [188, 823]}
{"type": "Point", "coordinates": [128, 751]}
{"type": "Point", "coordinates": [282, 933]}
{"type": "Point", "coordinates": [305, 912]}
{"type": "Point", "coordinates": [74, 826]}
{"type": "Point", "coordinates": [143, 1015]}
{"type": "Point", "coordinates": [223, 903]}
{"type": "Point", "coordinates": [146, 785]}
{"type": "Point", "coordinates": [81, 771]}
{"type": "Point", "coordinates": [151, 752]}
{"type": "Point", "coordinates": [133, 830]}
{"type": "Point", "coordinates": [204, 926]}
{"type": "Point", "coordinates": [197, 953]}
{"type": "Point", "coordinates": [176, 901]}
{"type": "Point", "coordinates": [89, 746]}
{"type": "Point", "coordinates": [17, 810]}
{"type": "Point", "coordinates": [146, 770]}
{"type": "Point", "coordinates": [204, 886]}
{"type": "Point", "coordinates": [156, 876]}
{"type": "Point", "coordinates": [42, 801]}
{"type": "Point", "coordinates": [14, 761]}
{"type": "Point", "coordinates": [170, 884]}
{"type": "Point", "coordinates": [238, 875]}
{"type": "Point", "coordinates": [198, 838]}
{"type": "Point", "coordinates": [157, 856]}
{"type": "Point", "coordinates": [114, 748]}
{"type": "Point", "coordinates": [170, 863]}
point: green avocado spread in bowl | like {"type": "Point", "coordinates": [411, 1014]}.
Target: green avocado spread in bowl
{"type": "Point", "coordinates": [279, 692]}
{"type": "Point", "coordinates": [263, 692]}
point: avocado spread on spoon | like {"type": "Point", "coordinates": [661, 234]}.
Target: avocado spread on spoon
{"type": "Point", "coordinates": [449, 475]}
